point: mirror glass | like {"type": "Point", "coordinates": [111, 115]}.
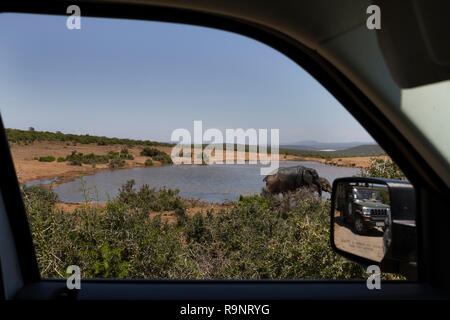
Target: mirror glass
{"type": "Point", "coordinates": [361, 215]}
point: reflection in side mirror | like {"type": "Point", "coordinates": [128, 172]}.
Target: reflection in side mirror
{"type": "Point", "coordinates": [361, 215]}
{"type": "Point", "coordinates": [373, 222]}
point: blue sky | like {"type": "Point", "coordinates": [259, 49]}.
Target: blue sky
{"type": "Point", "coordinates": [140, 79]}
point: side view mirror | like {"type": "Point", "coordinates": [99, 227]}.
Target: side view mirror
{"type": "Point", "coordinates": [373, 221]}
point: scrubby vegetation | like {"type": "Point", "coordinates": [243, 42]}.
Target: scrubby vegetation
{"type": "Point", "coordinates": [380, 168]}
{"type": "Point", "coordinates": [47, 159]}
{"type": "Point", "coordinates": [163, 158]}
{"type": "Point", "coordinates": [114, 159]}
{"type": "Point", "coordinates": [116, 162]}
{"type": "Point", "coordinates": [23, 136]}
{"type": "Point", "coordinates": [255, 238]}
{"type": "Point", "coordinates": [151, 152]}
{"type": "Point", "coordinates": [157, 155]}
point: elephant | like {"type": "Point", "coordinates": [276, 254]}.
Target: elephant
{"type": "Point", "coordinates": [292, 178]}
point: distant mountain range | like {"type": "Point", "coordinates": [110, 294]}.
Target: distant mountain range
{"type": "Point", "coordinates": [319, 146]}
{"type": "Point", "coordinates": [333, 150]}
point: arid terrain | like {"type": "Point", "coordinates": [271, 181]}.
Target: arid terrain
{"type": "Point", "coordinates": [368, 246]}
{"type": "Point", "coordinates": [363, 246]}
{"type": "Point", "coordinates": [29, 169]}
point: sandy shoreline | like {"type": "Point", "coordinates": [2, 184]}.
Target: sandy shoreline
{"type": "Point", "coordinates": [28, 169]}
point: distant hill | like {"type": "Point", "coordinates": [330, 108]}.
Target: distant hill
{"type": "Point", "coordinates": [358, 151]}
{"type": "Point", "coordinates": [23, 136]}
{"type": "Point", "coordinates": [314, 145]}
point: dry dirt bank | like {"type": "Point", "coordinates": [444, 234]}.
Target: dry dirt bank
{"type": "Point", "coordinates": [29, 169]}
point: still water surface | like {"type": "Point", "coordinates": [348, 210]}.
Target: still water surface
{"type": "Point", "coordinates": [213, 183]}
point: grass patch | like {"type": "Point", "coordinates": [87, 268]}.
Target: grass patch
{"type": "Point", "coordinates": [47, 159]}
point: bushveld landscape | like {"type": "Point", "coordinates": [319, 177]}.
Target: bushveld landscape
{"type": "Point", "coordinates": [155, 233]}
{"type": "Point", "coordinates": [43, 155]}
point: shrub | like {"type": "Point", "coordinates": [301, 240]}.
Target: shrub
{"type": "Point", "coordinates": [180, 214]}
{"type": "Point", "coordinates": [125, 155]}
{"type": "Point", "coordinates": [247, 241]}
{"type": "Point", "coordinates": [381, 168]}
{"type": "Point", "coordinates": [47, 159]}
{"type": "Point", "coordinates": [149, 199]}
{"type": "Point", "coordinates": [157, 155]}
{"type": "Point", "coordinates": [116, 162]}
{"type": "Point", "coordinates": [148, 163]}
{"type": "Point", "coordinates": [114, 159]}
{"type": "Point", "coordinates": [75, 163]}
{"type": "Point", "coordinates": [78, 158]}
{"type": "Point", "coordinates": [163, 158]}
{"type": "Point", "coordinates": [151, 152]}
{"type": "Point", "coordinates": [39, 198]}
{"type": "Point", "coordinates": [16, 135]}
{"type": "Point", "coordinates": [61, 159]}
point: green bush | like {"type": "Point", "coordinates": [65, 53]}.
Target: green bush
{"type": "Point", "coordinates": [250, 240]}
{"type": "Point", "coordinates": [17, 136]}
{"type": "Point", "coordinates": [61, 159]}
{"type": "Point", "coordinates": [380, 168]}
{"type": "Point", "coordinates": [157, 155]}
{"type": "Point", "coordinates": [163, 158]}
{"type": "Point", "coordinates": [148, 163]}
{"type": "Point", "coordinates": [38, 197]}
{"type": "Point", "coordinates": [114, 159]}
{"type": "Point", "coordinates": [151, 152]}
{"type": "Point", "coordinates": [149, 199]}
{"type": "Point", "coordinates": [91, 158]}
{"type": "Point", "coordinates": [116, 162]}
{"type": "Point", "coordinates": [47, 159]}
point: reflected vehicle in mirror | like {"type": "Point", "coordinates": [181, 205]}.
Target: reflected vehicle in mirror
{"type": "Point", "coordinates": [363, 206]}
{"type": "Point", "coordinates": [373, 222]}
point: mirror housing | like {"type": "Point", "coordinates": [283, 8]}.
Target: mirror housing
{"type": "Point", "coordinates": [399, 236]}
